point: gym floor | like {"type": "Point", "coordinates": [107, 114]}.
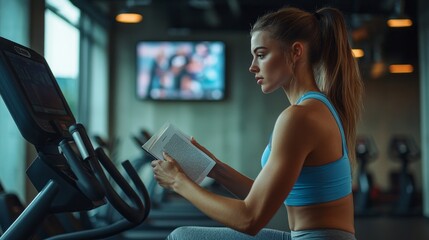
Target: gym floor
{"type": "Point", "coordinates": [384, 220]}
{"type": "Point", "coordinates": [392, 228]}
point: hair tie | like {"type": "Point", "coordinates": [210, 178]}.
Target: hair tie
{"type": "Point", "coordinates": [316, 15]}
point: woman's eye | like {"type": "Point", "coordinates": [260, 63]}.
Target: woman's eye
{"type": "Point", "coordinates": [261, 56]}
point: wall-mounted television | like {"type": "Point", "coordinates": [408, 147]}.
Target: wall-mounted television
{"type": "Point", "coordinates": [181, 70]}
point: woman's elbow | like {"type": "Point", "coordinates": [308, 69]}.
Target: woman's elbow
{"type": "Point", "coordinates": [252, 231]}
{"type": "Point", "coordinates": [250, 228]}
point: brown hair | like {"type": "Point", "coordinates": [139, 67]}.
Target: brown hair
{"type": "Point", "coordinates": [335, 69]}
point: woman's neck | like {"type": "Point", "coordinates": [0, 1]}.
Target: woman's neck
{"type": "Point", "coordinates": [303, 82]}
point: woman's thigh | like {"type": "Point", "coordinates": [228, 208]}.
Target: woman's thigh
{"type": "Point", "coordinates": [317, 234]}
{"type": "Point", "coordinates": [216, 233]}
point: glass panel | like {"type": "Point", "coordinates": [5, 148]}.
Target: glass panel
{"type": "Point", "coordinates": [62, 55]}
{"type": "Point", "coordinates": [14, 20]}
{"type": "Point", "coordinates": [98, 83]}
{"type": "Point", "coordinates": [66, 9]}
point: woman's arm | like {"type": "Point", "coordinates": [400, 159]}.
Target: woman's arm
{"type": "Point", "coordinates": [232, 180]}
{"type": "Point", "coordinates": [291, 143]}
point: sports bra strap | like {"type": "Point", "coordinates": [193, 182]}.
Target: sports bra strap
{"type": "Point", "coordinates": [322, 97]}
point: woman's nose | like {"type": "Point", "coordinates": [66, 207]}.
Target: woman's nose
{"type": "Point", "coordinates": [253, 68]}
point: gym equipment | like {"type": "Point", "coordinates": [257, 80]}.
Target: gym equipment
{"type": "Point", "coordinates": [366, 151]}
{"type": "Point", "coordinates": [403, 148]}
{"type": "Point", "coordinates": [68, 172]}
{"type": "Point", "coordinates": [110, 147]}
{"type": "Point", "coordinates": [11, 207]}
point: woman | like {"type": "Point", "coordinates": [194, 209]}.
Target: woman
{"type": "Point", "coordinates": [307, 163]}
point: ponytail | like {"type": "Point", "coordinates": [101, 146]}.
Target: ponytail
{"type": "Point", "coordinates": [339, 76]}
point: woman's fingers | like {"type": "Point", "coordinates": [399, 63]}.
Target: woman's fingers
{"type": "Point", "coordinates": [167, 157]}
{"type": "Point", "coordinates": [154, 163]}
{"type": "Point", "coordinates": [202, 148]}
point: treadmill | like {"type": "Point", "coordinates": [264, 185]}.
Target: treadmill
{"type": "Point", "coordinates": [68, 173]}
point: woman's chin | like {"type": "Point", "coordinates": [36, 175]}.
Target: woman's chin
{"type": "Point", "coordinates": [266, 90]}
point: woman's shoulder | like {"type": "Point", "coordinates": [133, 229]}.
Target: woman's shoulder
{"type": "Point", "coordinates": [300, 119]}
{"type": "Point", "coordinates": [303, 114]}
{"type": "Point", "coordinates": [295, 132]}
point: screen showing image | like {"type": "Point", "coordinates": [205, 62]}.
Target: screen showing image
{"type": "Point", "coordinates": [37, 84]}
{"type": "Point", "coordinates": [186, 70]}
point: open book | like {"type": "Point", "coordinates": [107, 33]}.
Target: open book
{"type": "Point", "coordinates": [194, 162]}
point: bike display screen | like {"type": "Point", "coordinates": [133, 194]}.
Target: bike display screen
{"type": "Point", "coordinates": [37, 84]}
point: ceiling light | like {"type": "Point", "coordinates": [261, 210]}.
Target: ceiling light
{"type": "Point", "coordinates": [128, 14]}
{"type": "Point", "coordinates": [129, 17]}
{"type": "Point", "coordinates": [400, 22]}
{"type": "Point", "coordinates": [358, 53]}
{"type": "Point", "coordinates": [399, 18]}
{"type": "Point", "coordinates": [401, 68]}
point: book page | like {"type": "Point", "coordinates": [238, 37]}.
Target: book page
{"type": "Point", "coordinates": [195, 163]}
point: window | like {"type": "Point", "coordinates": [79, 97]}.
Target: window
{"type": "Point", "coordinates": [62, 48]}
{"type": "Point", "coordinates": [12, 144]}
{"type": "Point", "coordinates": [76, 49]}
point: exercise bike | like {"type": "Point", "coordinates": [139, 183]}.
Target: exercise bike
{"type": "Point", "coordinates": [366, 152]}
{"type": "Point", "coordinates": [403, 148]}
{"type": "Point", "coordinates": [68, 172]}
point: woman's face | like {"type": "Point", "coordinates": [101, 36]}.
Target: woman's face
{"type": "Point", "coordinates": [270, 65]}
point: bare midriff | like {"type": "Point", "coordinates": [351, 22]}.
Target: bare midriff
{"type": "Point", "coordinates": [336, 214]}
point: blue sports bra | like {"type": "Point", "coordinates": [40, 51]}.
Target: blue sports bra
{"type": "Point", "coordinates": [324, 183]}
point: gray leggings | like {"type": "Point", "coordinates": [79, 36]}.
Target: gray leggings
{"type": "Point", "coordinates": [222, 233]}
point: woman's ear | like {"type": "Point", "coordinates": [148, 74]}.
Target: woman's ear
{"type": "Point", "coordinates": [297, 50]}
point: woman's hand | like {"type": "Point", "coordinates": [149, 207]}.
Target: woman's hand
{"type": "Point", "coordinates": [196, 144]}
{"type": "Point", "coordinates": [211, 155]}
{"type": "Point", "coordinates": [167, 171]}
